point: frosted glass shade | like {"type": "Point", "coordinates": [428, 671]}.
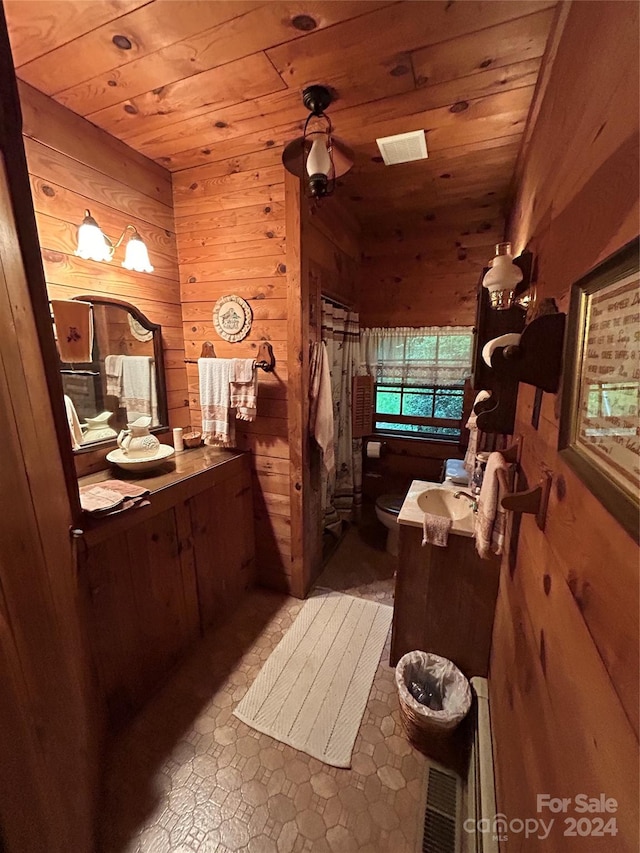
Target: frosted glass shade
{"type": "Point", "coordinates": [503, 278]}
{"type": "Point", "coordinates": [92, 243]}
{"type": "Point", "coordinates": [136, 256]}
{"type": "Point", "coordinates": [319, 161]}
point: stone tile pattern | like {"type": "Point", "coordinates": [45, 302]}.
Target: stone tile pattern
{"type": "Point", "coordinates": [188, 777]}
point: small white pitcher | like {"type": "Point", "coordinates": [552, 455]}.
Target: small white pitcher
{"type": "Point", "coordinates": [136, 442]}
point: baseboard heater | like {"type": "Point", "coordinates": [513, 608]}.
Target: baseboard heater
{"type": "Point", "coordinates": [454, 807]}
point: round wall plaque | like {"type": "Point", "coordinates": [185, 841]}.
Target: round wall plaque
{"type": "Point", "coordinates": [232, 318]}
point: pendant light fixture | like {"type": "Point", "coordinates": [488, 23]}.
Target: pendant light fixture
{"type": "Point", "coordinates": [317, 157]}
{"type": "Point", "coordinates": [94, 245]}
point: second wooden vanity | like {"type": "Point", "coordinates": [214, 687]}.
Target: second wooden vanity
{"type": "Point", "coordinates": [155, 577]}
{"type": "Point", "coordinates": [444, 598]}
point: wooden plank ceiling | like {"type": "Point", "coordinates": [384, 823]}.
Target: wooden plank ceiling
{"type": "Point", "coordinates": [189, 83]}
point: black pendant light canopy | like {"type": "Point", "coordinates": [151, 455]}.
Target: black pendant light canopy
{"type": "Point", "coordinates": [317, 157]}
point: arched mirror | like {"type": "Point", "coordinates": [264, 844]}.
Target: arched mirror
{"type": "Point", "coordinates": [111, 367]}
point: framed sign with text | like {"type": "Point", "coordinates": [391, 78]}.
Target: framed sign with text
{"type": "Point", "coordinates": [599, 428]}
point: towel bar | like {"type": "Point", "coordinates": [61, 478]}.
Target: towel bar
{"type": "Point", "coordinates": [266, 360]}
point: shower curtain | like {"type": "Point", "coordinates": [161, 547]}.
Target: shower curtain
{"type": "Point", "coordinates": [342, 488]}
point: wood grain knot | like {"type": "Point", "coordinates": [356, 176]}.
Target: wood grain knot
{"type": "Point", "coordinates": [122, 42]}
{"type": "Point", "coordinates": [282, 268]}
{"type": "Point", "coordinates": [546, 584]}
{"type": "Point", "coordinates": [459, 107]}
{"type": "Point", "coordinates": [192, 279]}
{"type": "Point", "coordinates": [48, 191]}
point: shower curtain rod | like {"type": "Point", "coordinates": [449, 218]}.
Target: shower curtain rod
{"type": "Point", "coordinates": [335, 302]}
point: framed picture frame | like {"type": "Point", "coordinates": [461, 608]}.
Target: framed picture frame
{"type": "Point", "coordinates": [599, 434]}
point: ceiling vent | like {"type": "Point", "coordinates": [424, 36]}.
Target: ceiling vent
{"type": "Point", "coordinates": [403, 147]}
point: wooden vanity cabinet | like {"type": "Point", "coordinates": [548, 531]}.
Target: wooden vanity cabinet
{"type": "Point", "coordinates": [154, 578]}
{"type": "Point", "coordinates": [444, 601]}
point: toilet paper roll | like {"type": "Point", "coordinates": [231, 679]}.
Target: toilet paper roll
{"type": "Point", "coordinates": [510, 340]}
{"type": "Point", "coordinates": [374, 449]}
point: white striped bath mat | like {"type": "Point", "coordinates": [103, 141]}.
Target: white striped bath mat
{"type": "Point", "coordinates": [312, 691]}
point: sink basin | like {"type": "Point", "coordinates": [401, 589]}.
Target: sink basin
{"type": "Point", "coordinates": [440, 501]}
{"type": "Point", "coordinates": [437, 498]}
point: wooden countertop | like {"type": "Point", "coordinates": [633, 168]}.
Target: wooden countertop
{"type": "Point", "coordinates": [186, 473]}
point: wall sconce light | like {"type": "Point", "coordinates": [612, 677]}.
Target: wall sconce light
{"type": "Point", "coordinates": [94, 245]}
{"type": "Point", "coordinates": [317, 156]}
{"type": "Point", "coordinates": [503, 278]}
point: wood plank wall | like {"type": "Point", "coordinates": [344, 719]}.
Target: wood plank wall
{"type": "Point", "coordinates": [330, 258]}
{"type": "Point", "coordinates": [230, 227]}
{"type": "Point", "coordinates": [564, 669]}
{"type": "Point", "coordinates": [74, 165]}
{"type": "Point", "coordinates": [426, 273]}
{"type": "Point", "coordinates": [50, 727]}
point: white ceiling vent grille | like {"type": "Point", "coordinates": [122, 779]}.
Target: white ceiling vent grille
{"type": "Point", "coordinates": [403, 147]}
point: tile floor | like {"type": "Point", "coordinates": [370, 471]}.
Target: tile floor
{"type": "Point", "coordinates": [188, 777]}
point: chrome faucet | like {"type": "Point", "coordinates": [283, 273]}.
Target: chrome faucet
{"type": "Point", "coordinates": [472, 498]}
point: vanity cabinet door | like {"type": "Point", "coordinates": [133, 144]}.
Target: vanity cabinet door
{"type": "Point", "coordinates": [141, 617]}
{"type": "Point", "coordinates": [223, 545]}
{"type": "Point", "coordinates": [444, 601]}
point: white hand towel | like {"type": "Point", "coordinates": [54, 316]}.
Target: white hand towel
{"type": "Point", "coordinates": [139, 394]}
{"type": "Point", "coordinates": [435, 530]}
{"type": "Point", "coordinates": [74, 423]}
{"type": "Point", "coordinates": [244, 388]}
{"type": "Point", "coordinates": [474, 435]}
{"type": "Point", "coordinates": [218, 428]}
{"type": "Point", "coordinates": [490, 518]}
{"type": "Point", "coordinates": [113, 369]}
{"type": "Point", "coordinates": [321, 415]}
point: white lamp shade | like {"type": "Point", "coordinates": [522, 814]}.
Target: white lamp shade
{"type": "Point", "coordinates": [503, 275]}
{"type": "Point", "coordinates": [92, 244]}
{"type": "Point", "coordinates": [319, 161]}
{"type": "Point", "coordinates": [136, 256]}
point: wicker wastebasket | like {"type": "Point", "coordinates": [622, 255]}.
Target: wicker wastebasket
{"type": "Point", "coordinates": [422, 724]}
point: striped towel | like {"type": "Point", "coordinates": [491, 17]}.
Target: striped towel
{"type": "Point", "coordinates": [244, 388]}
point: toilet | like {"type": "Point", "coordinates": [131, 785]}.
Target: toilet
{"type": "Point", "coordinates": [387, 510]}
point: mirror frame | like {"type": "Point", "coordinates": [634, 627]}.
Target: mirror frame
{"type": "Point", "coordinates": [161, 390]}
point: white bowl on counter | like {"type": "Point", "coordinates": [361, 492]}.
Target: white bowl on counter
{"type": "Point", "coordinates": [438, 499]}
{"type": "Point", "coordinates": [140, 463]}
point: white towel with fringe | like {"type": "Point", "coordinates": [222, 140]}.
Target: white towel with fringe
{"type": "Point", "coordinates": [218, 427]}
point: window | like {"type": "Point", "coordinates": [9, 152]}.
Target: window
{"type": "Point", "coordinates": [426, 410]}
{"type": "Point", "coordinates": [419, 375]}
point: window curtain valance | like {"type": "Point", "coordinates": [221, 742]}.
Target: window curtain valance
{"type": "Point", "coordinates": [430, 355]}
